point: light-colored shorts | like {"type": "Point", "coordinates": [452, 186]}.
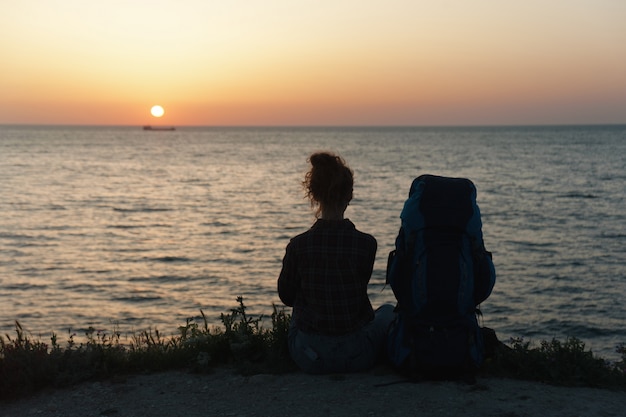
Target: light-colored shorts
{"type": "Point", "coordinates": [353, 352]}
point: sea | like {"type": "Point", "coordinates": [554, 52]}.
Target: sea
{"type": "Point", "coordinates": [126, 230]}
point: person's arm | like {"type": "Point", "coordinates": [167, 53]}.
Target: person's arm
{"type": "Point", "coordinates": [287, 280]}
{"type": "Point", "coordinates": [372, 258]}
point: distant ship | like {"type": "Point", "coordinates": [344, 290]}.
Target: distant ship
{"type": "Point", "coordinates": [148, 127]}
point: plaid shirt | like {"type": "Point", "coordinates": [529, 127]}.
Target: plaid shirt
{"type": "Point", "coordinates": [325, 275]}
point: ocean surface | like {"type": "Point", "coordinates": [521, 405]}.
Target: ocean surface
{"type": "Point", "coordinates": [119, 228]}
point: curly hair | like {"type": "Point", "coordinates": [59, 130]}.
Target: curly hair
{"type": "Point", "coordinates": [329, 183]}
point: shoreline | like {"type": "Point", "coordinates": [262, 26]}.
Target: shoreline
{"type": "Point", "coordinates": [224, 392]}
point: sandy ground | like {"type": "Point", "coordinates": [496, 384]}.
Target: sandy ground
{"type": "Point", "coordinates": [225, 393]}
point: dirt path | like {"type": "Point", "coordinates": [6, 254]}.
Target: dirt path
{"type": "Point", "coordinates": [225, 393]}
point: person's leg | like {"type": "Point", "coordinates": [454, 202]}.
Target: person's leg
{"type": "Point", "coordinates": [378, 328]}
{"type": "Point", "coordinates": [354, 352]}
{"type": "Point", "coordinates": [304, 355]}
{"type": "Point", "coordinates": [317, 354]}
{"type": "Point", "coordinates": [362, 350]}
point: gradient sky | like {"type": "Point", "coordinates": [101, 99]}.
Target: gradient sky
{"type": "Point", "coordinates": [312, 62]}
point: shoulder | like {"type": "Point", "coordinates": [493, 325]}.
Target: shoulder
{"type": "Point", "coordinates": [364, 236]}
{"type": "Point", "coordinates": [351, 225]}
{"type": "Point", "coordinates": [300, 240]}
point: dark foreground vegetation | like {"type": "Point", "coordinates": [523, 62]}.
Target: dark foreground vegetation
{"type": "Point", "coordinates": [28, 365]}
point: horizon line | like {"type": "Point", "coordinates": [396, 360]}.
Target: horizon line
{"type": "Point", "coordinates": [307, 126]}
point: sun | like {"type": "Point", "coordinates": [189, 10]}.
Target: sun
{"type": "Point", "coordinates": [157, 111]}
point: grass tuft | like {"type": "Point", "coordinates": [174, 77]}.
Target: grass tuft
{"type": "Point", "coordinates": [560, 363]}
{"type": "Point", "coordinates": [28, 365]}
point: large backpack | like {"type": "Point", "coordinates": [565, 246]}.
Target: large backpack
{"type": "Point", "coordinates": [439, 272]}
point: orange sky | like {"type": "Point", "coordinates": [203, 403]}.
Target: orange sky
{"type": "Point", "coordinates": [301, 62]}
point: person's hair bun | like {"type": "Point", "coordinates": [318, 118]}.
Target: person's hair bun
{"type": "Point", "coordinates": [329, 182]}
{"type": "Point", "coordinates": [324, 159]}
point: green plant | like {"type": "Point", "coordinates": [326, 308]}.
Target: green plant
{"type": "Point", "coordinates": [24, 364]}
{"type": "Point", "coordinates": [27, 365]}
{"type": "Point", "coordinates": [253, 347]}
{"type": "Point", "coordinates": [621, 365]}
{"type": "Point", "coordinates": [562, 363]}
